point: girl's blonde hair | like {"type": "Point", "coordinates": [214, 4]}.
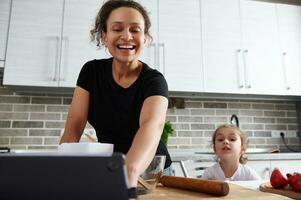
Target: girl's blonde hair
{"type": "Point", "coordinates": [244, 140]}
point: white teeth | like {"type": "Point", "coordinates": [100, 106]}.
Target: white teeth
{"type": "Point", "coordinates": [126, 46]}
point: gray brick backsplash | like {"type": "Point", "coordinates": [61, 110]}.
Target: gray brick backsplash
{"type": "Point", "coordinates": [58, 108]}
{"type": "Point", "coordinates": [227, 112]}
{"type": "Point", "coordinates": [67, 100]}
{"type": "Point", "coordinates": [274, 113]}
{"type": "Point", "coordinates": [45, 132]}
{"type": "Point", "coordinates": [51, 141]}
{"type": "Point", "coordinates": [45, 116]}
{"type": "Point", "coordinates": [190, 133]}
{"type": "Point", "coordinates": [26, 140]}
{"type": "Point", "coordinates": [202, 126]}
{"type": "Point", "coordinates": [29, 108]}
{"type": "Point", "coordinates": [257, 141]}
{"type": "Point", "coordinates": [190, 119]}
{"type": "Point", "coordinates": [262, 106]}
{"type": "Point", "coordinates": [285, 107]}
{"type": "Point", "coordinates": [14, 115]}
{"type": "Point", "coordinates": [203, 141]}
{"type": "Point", "coordinates": [292, 127]}
{"type": "Point", "coordinates": [239, 105]}
{"type": "Point", "coordinates": [171, 118]}
{"type": "Point", "coordinates": [36, 121]}
{"type": "Point", "coordinates": [179, 140]}
{"type": "Point", "coordinates": [172, 111]}
{"type": "Point", "coordinates": [216, 119]}
{"type": "Point", "coordinates": [4, 124]}
{"type": "Point", "coordinates": [14, 99]}
{"type": "Point", "coordinates": [264, 120]}
{"type": "Point", "coordinates": [262, 134]}
{"type": "Point", "coordinates": [4, 141]}
{"type": "Point", "coordinates": [291, 114]}
{"type": "Point", "coordinates": [54, 124]}
{"type": "Point", "coordinates": [46, 100]}
{"type": "Point", "coordinates": [275, 127]}
{"type": "Point", "coordinates": [215, 105]}
{"type": "Point", "coordinates": [287, 120]}
{"type": "Point", "coordinates": [180, 126]}
{"type": "Point", "coordinates": [252, 126]}
{"type": "Point", "coordinates": [251, 112]}
{"type": "Point", "coordinates": [6, 107]}
{"type": "Point", "coordinates": [193, 104]}
{"type": "Point", "coordinates": [202, 112]}
{"type": "Point", "coordinates": [12, 132]}
{"type": "Point", "coordinates": [27, 124]}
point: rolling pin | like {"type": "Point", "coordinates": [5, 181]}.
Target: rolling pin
{"type": "Point", "coordinates": [213, 187]}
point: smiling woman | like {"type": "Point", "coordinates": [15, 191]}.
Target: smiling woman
{"type": "Point", "coordinates": [121, 97]}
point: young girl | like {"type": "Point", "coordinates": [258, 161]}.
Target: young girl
{"type": "Point", "coordinates": [230, 144]}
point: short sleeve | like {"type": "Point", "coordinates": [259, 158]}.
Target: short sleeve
{"type": "Point", "coordinates": [83, 78]}
{"type": "Point", "coordinates": [156, 85]}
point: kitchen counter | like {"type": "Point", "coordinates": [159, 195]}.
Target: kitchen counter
{"type": "Point", "coordinates": [200, 154]}
{"type": "Point", "coordinates": [236, 192]}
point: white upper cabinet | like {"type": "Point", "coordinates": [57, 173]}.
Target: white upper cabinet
{"type": "Point", "coordinates": [33, 43]}
{"type": "Point", "coordinates": [241, 55]}
{"type": "Point", "coordinates": [222, 47]}
{"type": "Point", "coordinates": [289, 18]}
{"type": "Point", "coordinates": [49, 42]}
{"type": "Point", "coordinates": [4, 19]}
{"type": "Point", "coordinates": [261, 49]}
{"type": "Point", "coordinates": [79, 17]}
{"type": "Point", "coordinates": [176, 47]}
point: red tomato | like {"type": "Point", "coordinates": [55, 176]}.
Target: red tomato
{"type": "Point", "coordinates": [295, 182]}
{"type": "Point", "coordinates": [277, 179]}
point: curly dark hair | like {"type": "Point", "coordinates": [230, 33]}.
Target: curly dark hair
{"type": "Point", "coordinates": [104, 13]}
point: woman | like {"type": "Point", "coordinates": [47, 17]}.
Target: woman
{"type": "Point", "coordinates": [121, 97]}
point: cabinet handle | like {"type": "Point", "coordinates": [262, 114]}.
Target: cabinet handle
{"type": "Point", "coordinates": [64, 59]}
{"type": "Point", "coordinates": [238, 60]}
{"type": "Point", "coordinates": [285, 71]}
{"type": "Point", "coordinates": [247, 75]}
{"type": "Point", "coordinates": [57, 55]}
{"type": "Point", "coordinates": [163, 47]}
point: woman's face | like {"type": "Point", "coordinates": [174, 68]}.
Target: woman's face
{"type": "Point", "coordinates": [125, 36]}
{"type": "Point", "coordinates": [228, 144]}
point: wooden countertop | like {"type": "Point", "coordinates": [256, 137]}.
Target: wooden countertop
{"type": "Point", "coordinates": [236, 192]}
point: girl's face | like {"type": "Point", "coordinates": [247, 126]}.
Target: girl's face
{"type": "Point", "coordinates": [125, 36]}
{"type": "Point", "coordinates": [227, 144]}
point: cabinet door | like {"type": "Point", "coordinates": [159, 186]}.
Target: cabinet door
{"type": "Point", "coordinates": [222, 53]}
{"type": "Point", "coordinates": [286, 166]}
{"type": "Point", "coordinates": [79, 16]}
{"type": "Point", "coordinates": [149, 54]}
{"type": "Point", "coordinates": [263, 168]}
{"type": "Point", "coordinates": [261, 49]}
{"type": "Point", "coordinates": [33, 49]}
{"type": "Point", "coordinates": [4, 18]}
{"type": "Point", "coordinates": [179, 47]}
{"type": "Point", "coordinates": [289, 18]}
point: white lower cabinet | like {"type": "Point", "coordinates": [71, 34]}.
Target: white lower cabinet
{"type": "Point", "coordinates": [263, 168]}
{"type": "Point", "coordinates": [287, 166]}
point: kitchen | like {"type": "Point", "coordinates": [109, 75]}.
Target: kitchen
{"type": "Point", "coordinates": [34, 108]}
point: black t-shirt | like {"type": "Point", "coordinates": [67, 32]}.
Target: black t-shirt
{"type": "Point", "coordinates": [114, 111]}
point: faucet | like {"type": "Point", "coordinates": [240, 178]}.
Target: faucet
{"type": "Point", "coordinates": [234, 120]}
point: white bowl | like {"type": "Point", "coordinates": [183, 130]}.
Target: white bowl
{"type": "Point", "coordinates": [105, 149]}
